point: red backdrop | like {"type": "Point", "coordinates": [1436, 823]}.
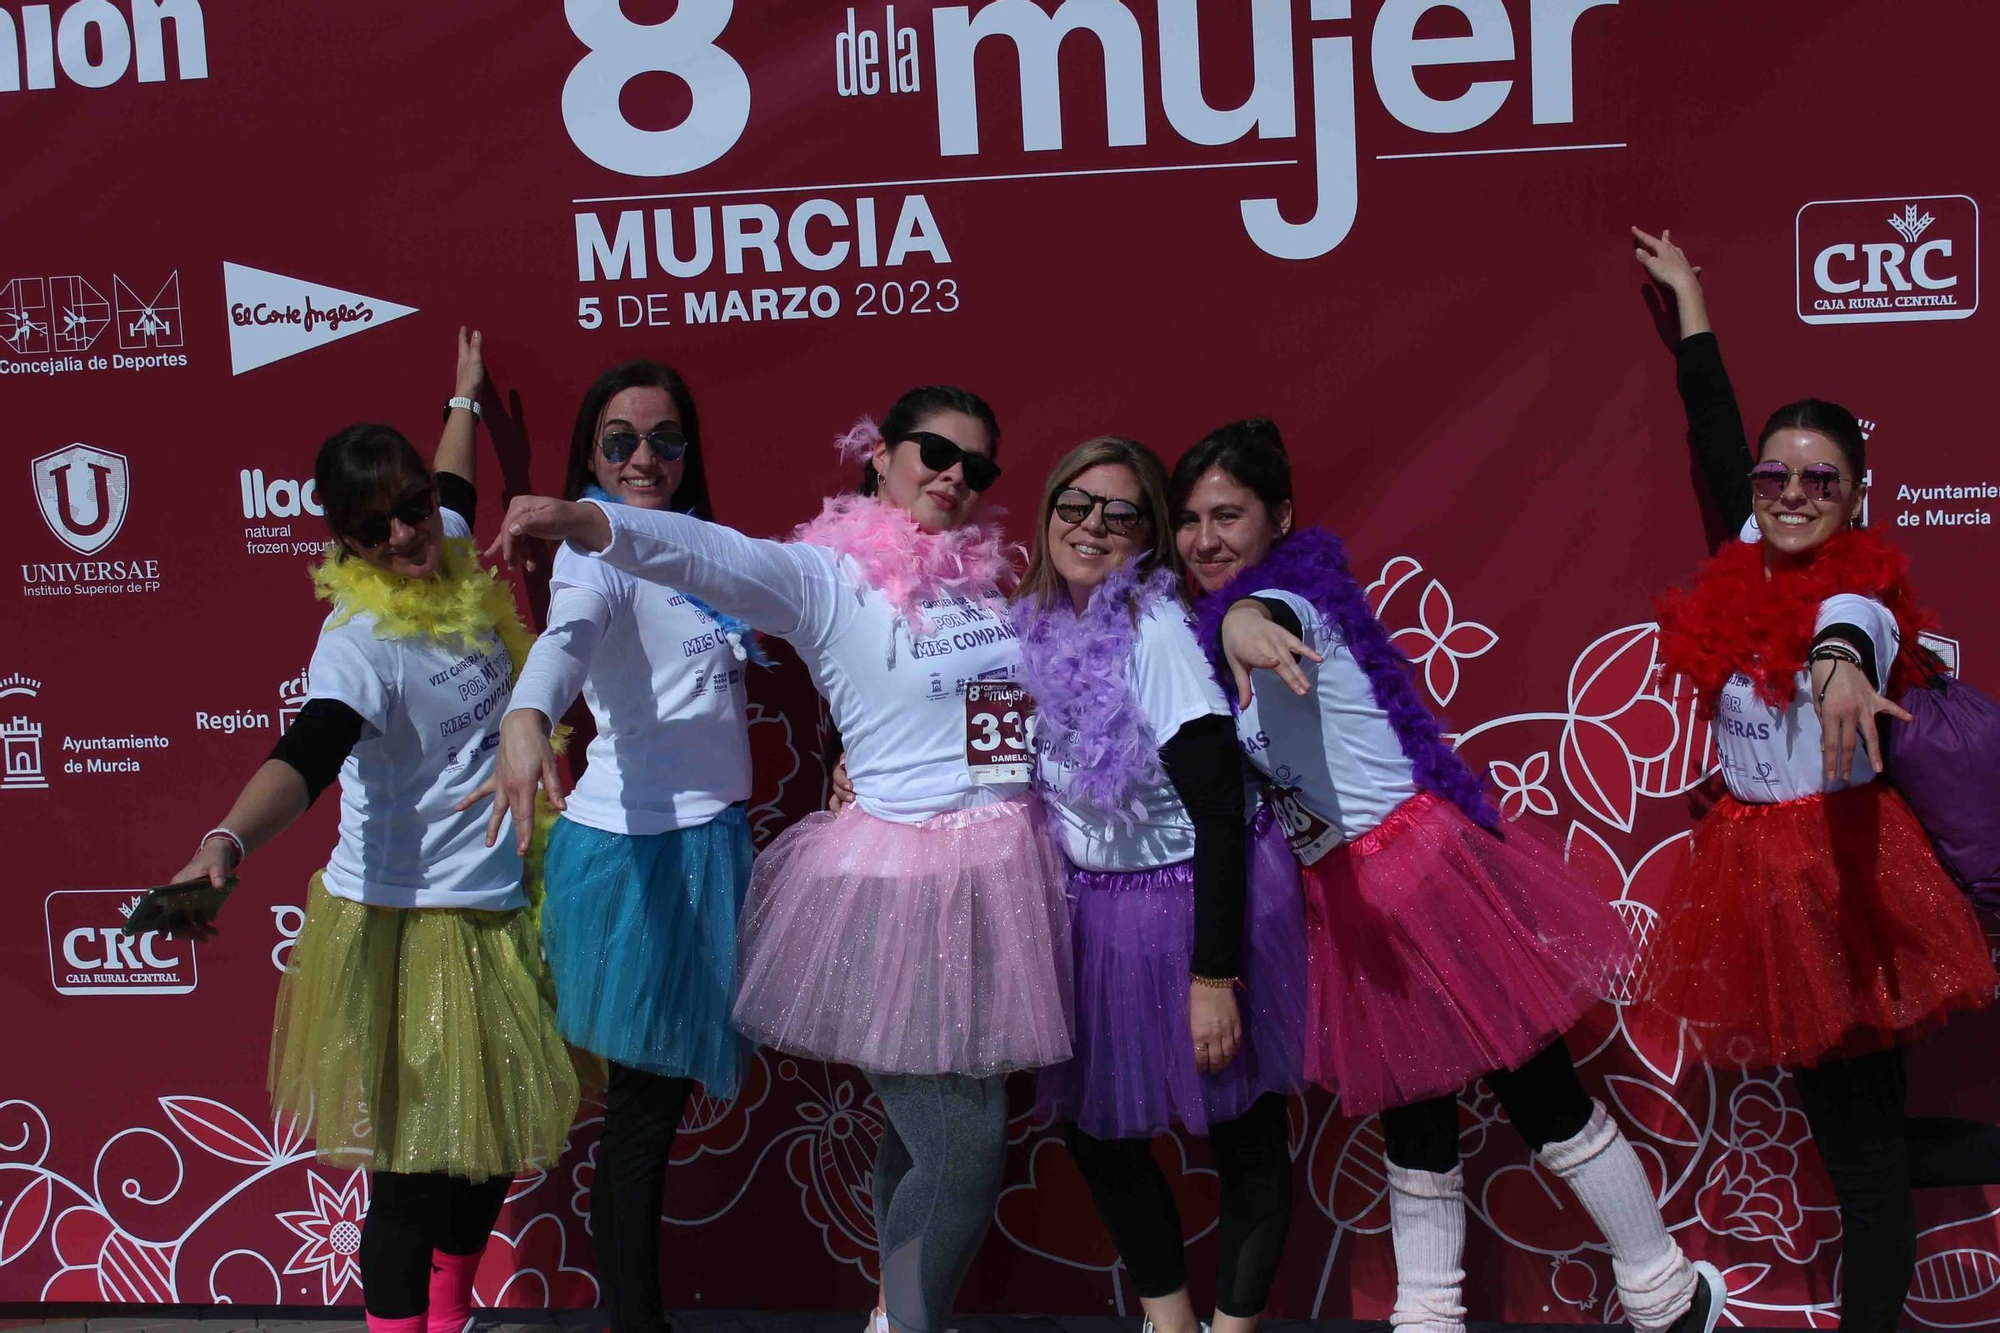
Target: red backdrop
{"type": "Point", "coordinates": [231, 229]}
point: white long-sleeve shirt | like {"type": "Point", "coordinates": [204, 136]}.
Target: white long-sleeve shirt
{"type": "Point", "coordinates": [672, 748]}
{"type": "Point", "coordinates": [898, 698]}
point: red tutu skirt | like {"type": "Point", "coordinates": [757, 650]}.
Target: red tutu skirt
{"type": "Point", "coordinates": [1438, 953]}
{"type": "Point", "coordinates": [1819, 927]}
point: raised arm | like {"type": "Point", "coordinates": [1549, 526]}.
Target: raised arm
{"type": "Point", "coordinates": [1715, 422]}
{"type": "Point", "coordinates": [458, 446]}
{"type": "Point", "coordinates": [779, 587]}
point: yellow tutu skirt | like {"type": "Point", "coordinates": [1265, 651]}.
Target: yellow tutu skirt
{"type": "Point", "coordinates": [422, 1040]}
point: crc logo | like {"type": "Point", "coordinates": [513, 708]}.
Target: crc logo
{"type": "Point", "coordinates": [82, 493]}
{"type": "Point", "coordinates": [1887, 261]}
{"type": "Point", "coordinates": [89, 953]}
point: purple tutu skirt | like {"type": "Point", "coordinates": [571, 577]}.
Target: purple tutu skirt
{"type": "Point", "coordinates": [1440, 953]}
{"type": "Point", "coordinates": [932, 948]}
{"type": "Point", "coordinates": [1133, 1075]}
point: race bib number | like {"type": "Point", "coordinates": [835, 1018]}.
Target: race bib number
{"type": "Point", "coordinates": [999, 736]}
{"type": "Point", "coordinates": [1309, 836]}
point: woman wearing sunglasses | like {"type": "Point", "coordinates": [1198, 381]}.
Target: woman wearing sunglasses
{"type": "Point", "coordinates": [1443, 947]}
{"type": "Point", "coordinates": [1175, 909]}
{"type": "Point", "coordinates": [415, 1024]}
{"type": "Point", "coordinates": [1812, 925]}
{"type": "Point", "coordinates": [646, 869]}
{"type": "Point", "coordinates": [921, 936]}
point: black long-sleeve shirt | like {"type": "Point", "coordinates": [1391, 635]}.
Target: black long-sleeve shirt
{"type": "Point", "coordinates": [1206, 769]}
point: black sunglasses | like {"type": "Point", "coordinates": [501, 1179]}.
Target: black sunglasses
{"type": "Point", "coordinates": [939, 454]}
{"type": "Point", "coordinates": [373, 530]}
{"type": "Point", "coordinates": [669, 445]}
{"type": "Point", "coordinates": [1073, 506]}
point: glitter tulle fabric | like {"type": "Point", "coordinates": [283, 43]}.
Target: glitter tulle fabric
{"type": "Point", "coordinates": [422, 1040]}
{"type": "Point", "coordinates": [1133, 1075]}
{"type": "Point", "coordinates": [1810, 928]}
{"type": "Point", "coordinates": [1440, 953]}
{"type": "Point", "coordinates": [640, 931]}
{"type": "Point", "coordinates": [932, 948]}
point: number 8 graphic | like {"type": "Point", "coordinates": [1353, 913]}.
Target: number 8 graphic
{"type": "Point", "coordinates": [621, 50]}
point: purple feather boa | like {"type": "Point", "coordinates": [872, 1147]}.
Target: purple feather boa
{"type": "Point", "coordinates": [1074, 668]}
{"type": "Point", "coordinates": [1313, 564]}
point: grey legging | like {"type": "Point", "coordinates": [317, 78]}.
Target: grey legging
{"type": "Point", "coordinates": [937, 1178]}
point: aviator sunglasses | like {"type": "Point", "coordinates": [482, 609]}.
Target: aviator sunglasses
{"type": "Point", "coordinates": [939, 454]}
{"type": "Point", "coordinates": [1820, 481]}
{"type": "Point", "coordinates": [373, 530]}
{"type": "Point", "coordinates": [1073, 506]}
{"type": "Point", "coordinates": [669, 445]}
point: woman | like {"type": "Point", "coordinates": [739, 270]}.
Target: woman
{"type": "Point", "coordinates": [1811, 925]}
{"type": "Point", "coordinates": [1442, 948]}
{"type": "Point", "coordinates": [922, 935]}
{"type": "Point", "coordinates": [415, 1025]}
{"type": "Point", "coordinates": [646, 869]}
{"type": "Point", "coordinates": [1137, 760]}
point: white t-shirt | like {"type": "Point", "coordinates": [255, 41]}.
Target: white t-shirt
{"type": "Point", "coordinates": [1173, 684]}
{"type": "Point", "coordinates": [898, 699]}
{"type": "Point", "coordinates": [430, 729]}
{"type": "Point", "coordinates": [1772, 754]}
{"type": "Point", "coordinates": [672, 748]}
{"type": "Point", "coordinates": [1335, 767]}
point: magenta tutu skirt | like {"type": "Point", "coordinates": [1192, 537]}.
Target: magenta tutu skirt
{"type": "Point", "coordinates": [1133, 1074]}
{"type": "Point", "coordinates": [1439, 953]}
{"type": "Point", "coordinates": [932, 948]}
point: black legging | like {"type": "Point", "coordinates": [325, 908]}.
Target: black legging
{"type": "Point", "coordinates": [1252, 1157]}
{"type": "Point", "coordinates": [409, 1216]}
{"type": "Point", "coordinates": [642, 1113]}
{"type": "Point", "coordinates": [1544, 1098]}
{"type": "Point", "coordinates": [1875, 1156]}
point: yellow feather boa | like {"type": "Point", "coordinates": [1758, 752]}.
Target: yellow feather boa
{"type": "Point", "coordinates": [458, 606]}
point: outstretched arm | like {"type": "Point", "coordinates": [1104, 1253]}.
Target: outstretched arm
{"type": "Point", "coordinates": [1715, 422]}
{"type": "Point", "coordinates": [458, 447]}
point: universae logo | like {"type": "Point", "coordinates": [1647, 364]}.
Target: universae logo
{"type": "Point", "coordinates": [1887, 261]}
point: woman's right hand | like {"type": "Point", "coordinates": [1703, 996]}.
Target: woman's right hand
{"type": "Point", "coordinates": [550, 519]}
{"type": "Point", "coordinates": [1665, 262]}
{"type": "Point", "coordinates": [215, 861]}
{"type": "Point", "coordinates": [842, 794]}
{"type": "Point", "coordinates": [526, 761]}
{"type": "Point", "coordinates": [1251, 640]}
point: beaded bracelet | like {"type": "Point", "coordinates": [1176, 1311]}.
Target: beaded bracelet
{"type": "Point", "coordinates": [220, 832]}
{"type": "Point", "coordinates": [1217, 983]}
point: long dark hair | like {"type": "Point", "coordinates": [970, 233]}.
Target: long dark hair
{"type": "Point", "coordinates": [358, 468]}
{"type": "Point", "coordinates": [926, 401]}
{"type": "Point", "coordinates": [1250, 450]}
{"type": "Point", "coordinates": [691, 496]}
{"type": "Point", "coordinates": [1828, 419]}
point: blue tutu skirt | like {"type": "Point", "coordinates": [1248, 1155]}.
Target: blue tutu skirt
{"type": "Point", "coordinates": [640, 932]}
{"type": "Point", "coordinates": [1133, 1074]}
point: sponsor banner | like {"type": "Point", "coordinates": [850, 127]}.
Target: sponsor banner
{"type": "Point", "coordinates": [89, 954]}
{"type": "Point", "coordinates": [1891, 260]}
{"type": "Point", "coordinates": [272, 316]}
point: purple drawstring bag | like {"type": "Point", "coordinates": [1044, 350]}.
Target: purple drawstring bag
{"type": "Point", "coordinates": [1946, 762]}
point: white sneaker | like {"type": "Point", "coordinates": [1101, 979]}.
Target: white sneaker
{"type": "Point", "coordinates": [878, 1322]}
{"type": "Point", "coordinates": [1709, 1299]}
{"type": "Point", "coordinates": [1147, 1326]}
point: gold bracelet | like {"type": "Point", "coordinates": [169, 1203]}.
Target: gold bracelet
{"type": "Point", "coordinates": [1217, 983]}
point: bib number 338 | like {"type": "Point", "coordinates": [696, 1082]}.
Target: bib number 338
{"type": "Point", "coordinates": [999, 732]}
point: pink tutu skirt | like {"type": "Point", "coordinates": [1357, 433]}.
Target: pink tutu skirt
{"type": "Point", "coordinates": [1438, 953]}
{"type": "Point", "coordinates": [932, 948]}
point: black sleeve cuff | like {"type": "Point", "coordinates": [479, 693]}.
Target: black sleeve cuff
{"type": "Point", "coordinates": [1856, 638]}
{"type": "Point", "coordinates": [458, 495]}
{"type": "Point", "coordinates": [1206, 768]}
{"type": "Point", "coordinates": [1282, 615]}
{"type": "Point", "coordinates": [318, 743]}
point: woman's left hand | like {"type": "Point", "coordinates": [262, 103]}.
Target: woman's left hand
{"type": "Point", "coordinates": [1848, 706]}
{"type": "Point", "coordinates": [471, 365]}
{"type": "Point", "coordinates": [1217, 1027]}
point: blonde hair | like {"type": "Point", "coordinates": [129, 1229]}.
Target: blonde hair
{"type": "Point", "coordinates": [1040, 585]}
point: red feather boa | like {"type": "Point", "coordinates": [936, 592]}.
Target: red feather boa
{"type": "Point", "coordinates": [1736, 619]}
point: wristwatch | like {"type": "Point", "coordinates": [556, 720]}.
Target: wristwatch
{"type": "Point", "coordinates": [468, 404]}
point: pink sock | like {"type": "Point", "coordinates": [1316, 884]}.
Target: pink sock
{"type": "Point", "coordinates": [451, 1291]}
{"type": "Point", "coordinates": [414, 1324]}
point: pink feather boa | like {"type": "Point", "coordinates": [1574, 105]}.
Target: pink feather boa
{"type": "Point", "coordinates": [911, 566]}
